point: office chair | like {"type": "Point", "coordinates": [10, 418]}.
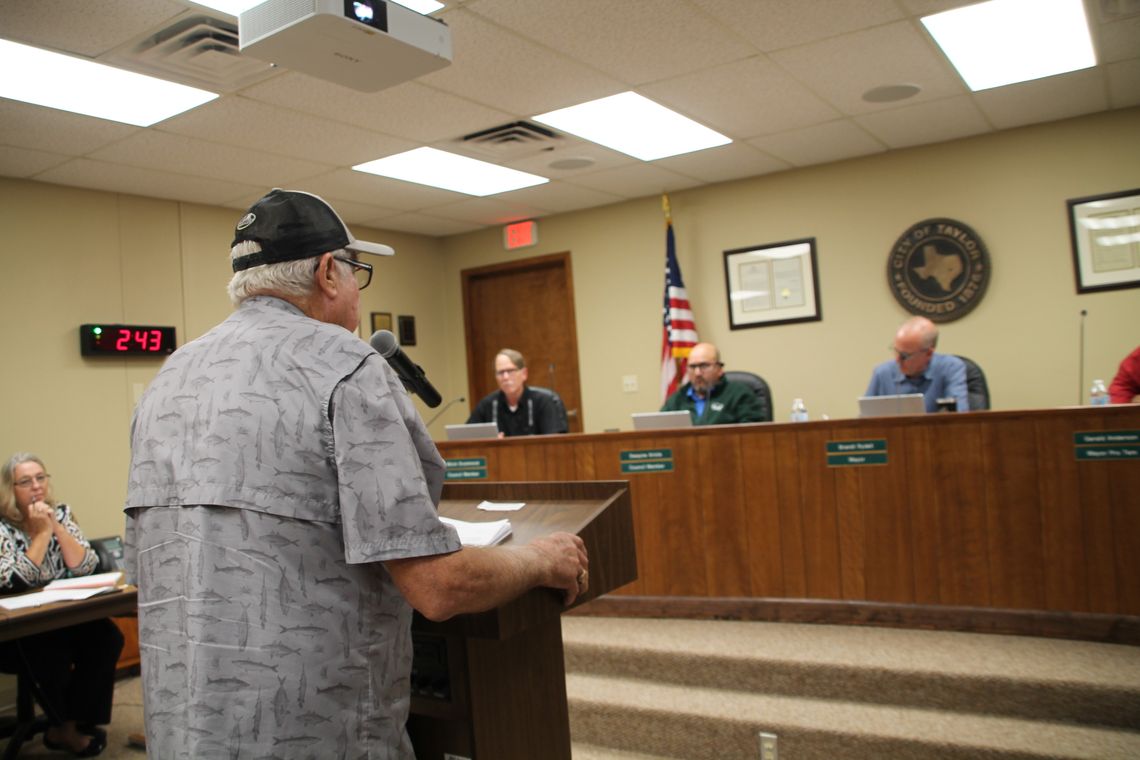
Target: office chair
{"type": "Point", "coordinates": [759, 386]}
{"type": "Point", "coordinates": [976, 387]}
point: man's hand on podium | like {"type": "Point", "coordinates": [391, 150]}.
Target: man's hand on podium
{"type": "Point", "coordinates": [570, 565]}
{"type": "Point", "coordinates": [475, 579]}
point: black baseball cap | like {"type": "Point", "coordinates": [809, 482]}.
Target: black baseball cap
{"type": "Point", "coordinates": [291, 225]}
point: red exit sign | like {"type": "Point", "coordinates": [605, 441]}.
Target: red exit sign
{"type": "Point", "coordinates": [520, 234]}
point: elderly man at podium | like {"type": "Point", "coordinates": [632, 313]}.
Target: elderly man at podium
{"type": "Point", "coordinates": [282, 518]}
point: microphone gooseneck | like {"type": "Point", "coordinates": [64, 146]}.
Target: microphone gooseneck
{"type": "Point", "coordinates": [446, 406]}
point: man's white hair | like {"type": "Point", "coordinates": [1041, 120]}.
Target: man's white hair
{"type": "Point", "coordinates": [287, 278]}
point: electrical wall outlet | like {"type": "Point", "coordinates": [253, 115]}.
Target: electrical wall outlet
{"type": "Point", "coordinates": [629, 383]}
{"type": "Point", "coordinates": [768, 748]}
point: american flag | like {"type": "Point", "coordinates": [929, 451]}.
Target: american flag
{"type": "Point", "coordinates": [679, 333]}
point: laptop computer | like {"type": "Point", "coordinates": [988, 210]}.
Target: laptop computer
{"type": "Point", "coordinates": [891, 406]}
{"type": "Point", "coordinates": [661, 420]}
{"type": "Point", "coordinates": [472, 432]}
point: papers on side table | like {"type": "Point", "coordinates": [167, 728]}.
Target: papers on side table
{"type": "Point", "coordinates": [480, 533]}
{"type": "Point", "coordinates": [500, 506]}
{"type": "Point", "coordinates": [66, 590]}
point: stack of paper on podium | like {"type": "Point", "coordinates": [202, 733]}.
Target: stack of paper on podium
{"type": "Point", "coordinates": [480, 533]}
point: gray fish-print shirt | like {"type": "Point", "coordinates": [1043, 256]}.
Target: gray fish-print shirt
{"type": "Point", "coordinates": [275, 463]}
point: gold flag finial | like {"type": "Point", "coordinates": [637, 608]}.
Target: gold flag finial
{"type": "Point", "coordinates": [666, 209]}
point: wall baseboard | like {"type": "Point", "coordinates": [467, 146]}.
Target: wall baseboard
{"type": "Point", "coordinates": [1085, 626]}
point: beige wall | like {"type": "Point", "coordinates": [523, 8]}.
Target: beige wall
{"type": "Point", "coordinates": [72, 256]}
{"type": "Point", "coordinates": [1010, 187]}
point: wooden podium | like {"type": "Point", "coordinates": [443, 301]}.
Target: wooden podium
{"type": "Point", "coordinates": [492, 686]}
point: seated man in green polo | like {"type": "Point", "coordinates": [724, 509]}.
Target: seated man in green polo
{"type": "Point", "coordinates": [708, 397]}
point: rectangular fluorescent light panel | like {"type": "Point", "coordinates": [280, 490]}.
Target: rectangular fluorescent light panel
{"type": "Point", "coordinates": [437, 168]}
{"type": "Point", "coordinates": [1008, 41]}
{"type": "Point", "coordinates": [634, 125]}
{"type": "Point", "coordinates": [92, 89]}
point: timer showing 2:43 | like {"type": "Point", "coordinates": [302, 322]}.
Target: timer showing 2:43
{"type": "Point", "coordinates": [125, 340]}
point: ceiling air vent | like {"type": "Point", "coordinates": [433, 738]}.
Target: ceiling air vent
{"type": "Point", "coordinates": [196, 50]}
{"type": "Point", "coordinates": [510, 141]}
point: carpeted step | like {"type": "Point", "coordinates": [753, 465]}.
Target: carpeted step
{"type": "Point", "coordinates": [698, 723]}
{"type": "Point", "coordinates": [1042, 679]}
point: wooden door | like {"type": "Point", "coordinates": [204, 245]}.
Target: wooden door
{"type": "Point", "coordinates": [526, 305]}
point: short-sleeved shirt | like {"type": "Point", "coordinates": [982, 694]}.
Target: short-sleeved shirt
{"type": "Point", "coordinates": [944, 377]}
{"type": "Point", "coordinates": [540, 411]}
{"type": "Point", "coordinates": [276, 462]}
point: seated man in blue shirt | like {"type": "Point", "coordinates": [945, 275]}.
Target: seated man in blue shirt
{"type": "Point", "coordinates": [917, 369]}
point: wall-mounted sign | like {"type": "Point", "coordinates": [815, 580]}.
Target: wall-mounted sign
{"type": "Point", "coordinates": [939, 269]}
{"type": "Point", "coordinates": [856, 453]}
{"type": "Point", "coordinates": [647, 460]}
{"type": "Point", "coordinates": [1105, 445]}
{"type": "Point", "coordinates": [520, 235]}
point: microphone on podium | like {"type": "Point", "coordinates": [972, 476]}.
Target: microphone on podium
{"type": "Point", "coordinates": [411, 374]}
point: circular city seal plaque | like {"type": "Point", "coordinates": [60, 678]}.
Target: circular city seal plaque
{"type": "Point", "coordinates": [939, 269]}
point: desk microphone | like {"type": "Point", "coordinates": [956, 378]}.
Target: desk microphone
{"type": "Point", "coordinates": [446, 406]}
{"type": "Point", "coordinates": [411, 374]}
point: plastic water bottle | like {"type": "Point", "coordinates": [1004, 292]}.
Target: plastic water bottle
{"type": "Point", "coordinates": [799, 411]}
{"type": "Point", "coordinates": [1098, 394]}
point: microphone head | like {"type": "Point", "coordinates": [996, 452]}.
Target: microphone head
{"type": "Point", "coordinates": [385, 343]}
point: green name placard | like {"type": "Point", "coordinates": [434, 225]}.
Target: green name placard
{"type": "Point", "coordinates": [1106, 445]}
{"type": "Point", "coordinates": [856, 453]}
{"type": "Point", "coordinates": [467, 468]}
{"type": "Point", "coordinates": [462, 464]}
{"type": "Point", "coordinates": [647, 460]}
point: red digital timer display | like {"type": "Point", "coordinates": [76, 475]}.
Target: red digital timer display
{"type": "Point", "coordinates": [125, 340]}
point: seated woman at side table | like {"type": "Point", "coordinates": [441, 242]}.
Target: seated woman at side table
{"type": "Point", "coordinates": [74, 667]}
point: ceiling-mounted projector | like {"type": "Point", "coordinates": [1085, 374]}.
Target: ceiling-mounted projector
{"type": "Point", "coordinates": [363, 44]}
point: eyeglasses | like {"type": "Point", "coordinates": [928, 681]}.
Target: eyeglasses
{"type": "Point", "coordinates": [361, 271]}
{"type": "Point", "coordinates": [903, 355]}
{"type": "Point", "coordinates": [39, 480]}
{"type": "Point", "coordinates": [505, 372]}
{"type": "Point", "coordinates": [702, 366]}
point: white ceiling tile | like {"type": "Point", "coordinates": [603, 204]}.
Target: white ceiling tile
{"type": "Point", "coordinates": [820, 144]}
{"type": "Point", "coordinates": [83, 172]}
{"type": "Point", "coordinates": [1116, 40]}
{"type": "Point", "coordinates": [411, 111]}
{"type": "Point", "coordinates": [490, 211]}
{"type": "Point", "coordinates": [24, 162]}
{"type": "Point", "coordinates": [580, 152]}
{"type": "Point", "coordinates": [186, 155]}
{"type": "Point", "coordinates": [87, 29]}
{"type": "Point", "coordinates": [1058, 97]}
{"type": "Point", "coordinates": [743, 99]}
{"type": "Point", "coordinates": [841, 69]}
{"type": "Point", "coordinates": [235, 120]}
{"type": "Point", "coordinates": [947, 119]}
{"type": "Point", "coordinates": [777, 24]}
{"type": "Point", "coordinates": [370, 188]}
{"type": "Point", "coordinates": [556, 197]}
{"type": "Point", "coordinates": [635, 40]}
{"type": "Point", "coordinates": [422, 224]}
{"type": "Point", "coordinates": [27, 126]}
{"type": "Point", "coordinates": [733, 161]}
{"type": "Point", "coordinates": [1124, 84]}
{"type": "Point", "coordinates": [497, 68]}
{"type": "Point", "coordinates": [635, 181]}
